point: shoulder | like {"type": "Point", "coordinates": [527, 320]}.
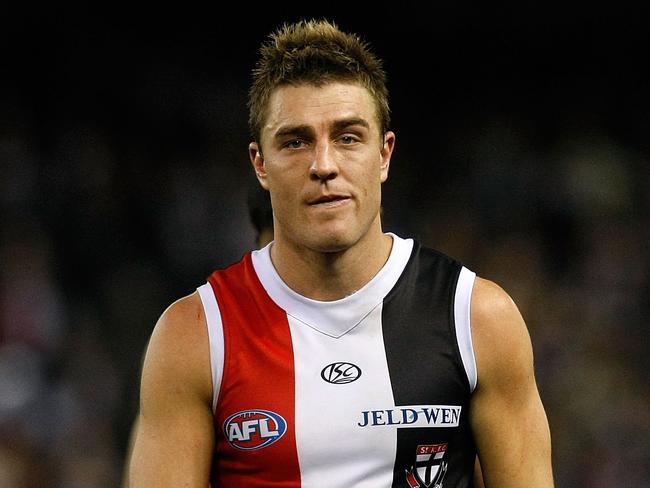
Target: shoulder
{"type": "Point", "coordinates": [177, 355]}
{"type": "Point", "coordinates": [181, 325]}
{"type": "Point", "coordinates": [491, 303]}
{"type": "Point", "coordinates": [499, 334]}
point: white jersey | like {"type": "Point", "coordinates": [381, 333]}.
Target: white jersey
{"type": "Point", "coordinates": [368, 391]}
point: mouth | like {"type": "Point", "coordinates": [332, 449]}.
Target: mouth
{"type": "Point", "coordinates": [329, 200]}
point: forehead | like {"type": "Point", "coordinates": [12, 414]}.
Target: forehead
{"type": "Point", "coordinates": [319, 106]}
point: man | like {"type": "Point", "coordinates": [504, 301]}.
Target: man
{"type": "Point", "coordinates": [338, 355]}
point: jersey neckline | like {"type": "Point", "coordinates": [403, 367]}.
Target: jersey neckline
{"type": "Point", "coordinates": [333, 318]}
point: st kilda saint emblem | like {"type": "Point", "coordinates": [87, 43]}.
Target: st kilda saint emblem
{"type": "Point", "coordinates": [429, 469]}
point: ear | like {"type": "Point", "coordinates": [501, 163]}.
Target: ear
{"type": "Point", "coordinates": [257, 160]}
{"type": "Point", "coordinates": [386, 153]}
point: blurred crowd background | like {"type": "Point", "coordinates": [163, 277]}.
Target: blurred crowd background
{"type": "Point", "coordinates": [523, 149]}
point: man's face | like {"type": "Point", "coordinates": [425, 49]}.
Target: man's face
{"type": "Point", "coordinates": [323, 161]}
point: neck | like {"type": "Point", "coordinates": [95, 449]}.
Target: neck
{"type": "Point", "coordinates": [328, 276]}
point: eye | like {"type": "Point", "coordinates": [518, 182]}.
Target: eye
{"type": "Point", "coordinates": [294, 144]}
{"type": "Point", "coordinates": [348, 139]}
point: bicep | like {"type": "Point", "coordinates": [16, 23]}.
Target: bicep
{"type": "Point", "coordinates": [172, 450]}
{"type": "Point", "coordinates": [174, 434]}
{"type": "Point", "coordinates": [508, 419]}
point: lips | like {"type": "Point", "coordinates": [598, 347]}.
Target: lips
{"type": "Point", "coordinates": [328, 199]}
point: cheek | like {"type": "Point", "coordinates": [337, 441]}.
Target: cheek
{"type": "Point", "coordinates": [371, 182]}
{"type": "Point", "coordinates": [284, 176]}
{"type": "Point", "coordinates": [282, 200]}
{"type": "Point", "coordinates": [286, 182]}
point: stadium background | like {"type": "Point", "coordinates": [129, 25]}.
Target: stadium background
{"type": "Point", "coordinates": [523, 150]}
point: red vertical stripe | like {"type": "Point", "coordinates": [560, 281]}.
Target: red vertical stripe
{"type": "Point", "coordinates": [258, 375]}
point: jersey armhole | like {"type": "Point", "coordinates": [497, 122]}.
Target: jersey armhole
{"type": "Point", "coordinates": [215, 337]}
{"type": "Point", "coordinates": [462, 322]}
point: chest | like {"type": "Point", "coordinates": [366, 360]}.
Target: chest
{"type": "Point", "coordinates": [338, 407]}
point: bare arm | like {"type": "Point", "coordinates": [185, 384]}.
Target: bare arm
{"type": "Point", "coordinates": [174, 437]}
{"type": "Point", "coordinates": [508, 419]}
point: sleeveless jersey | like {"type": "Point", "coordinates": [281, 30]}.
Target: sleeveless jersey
{"type": "Point", "coordinates": [368, 391]}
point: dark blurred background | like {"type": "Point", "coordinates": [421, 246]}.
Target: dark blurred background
{"type": "Point", "coordinates": [523, 150]}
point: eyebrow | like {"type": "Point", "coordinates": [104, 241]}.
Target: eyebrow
{"type": "Point", "coordinates": [345, 123]}
{"type": "Point", "coordinates": [306, 130]}
{"type": "Point", "coordinates": [293, 130]}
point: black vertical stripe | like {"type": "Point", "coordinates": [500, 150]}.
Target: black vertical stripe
{"type": "Point", "coordinates": [424, 362]}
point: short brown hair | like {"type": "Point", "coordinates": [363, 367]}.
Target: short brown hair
{"type": "Point", "coordinates": [314, 52]}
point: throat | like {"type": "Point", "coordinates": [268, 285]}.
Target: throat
{"type": "Point", "coordinates": [330, 276]}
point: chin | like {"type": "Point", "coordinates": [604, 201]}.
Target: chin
{"type": "Point", "coordinates": [333, 242]}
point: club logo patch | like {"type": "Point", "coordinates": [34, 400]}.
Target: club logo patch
{"type": "Point", "coordinates": [340, 373]}
{"type": "Point", "coordinates": [249, 430]}
{"type": "Point", "coordinates": [429, 469]}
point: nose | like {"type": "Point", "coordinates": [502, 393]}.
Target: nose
{"type": "Point", "coordinates": [324, 167]}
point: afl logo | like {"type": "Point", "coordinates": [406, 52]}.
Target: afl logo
{"type": "Point", "coordinates": [249, 430]}
{"type": "Point", "coordinates": [340, 373]}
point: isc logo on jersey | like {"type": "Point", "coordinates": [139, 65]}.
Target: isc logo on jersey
{"type": "Point", "coordinates": [254, 429]}
{"type": "Point", "coordinates": [340, 373]}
